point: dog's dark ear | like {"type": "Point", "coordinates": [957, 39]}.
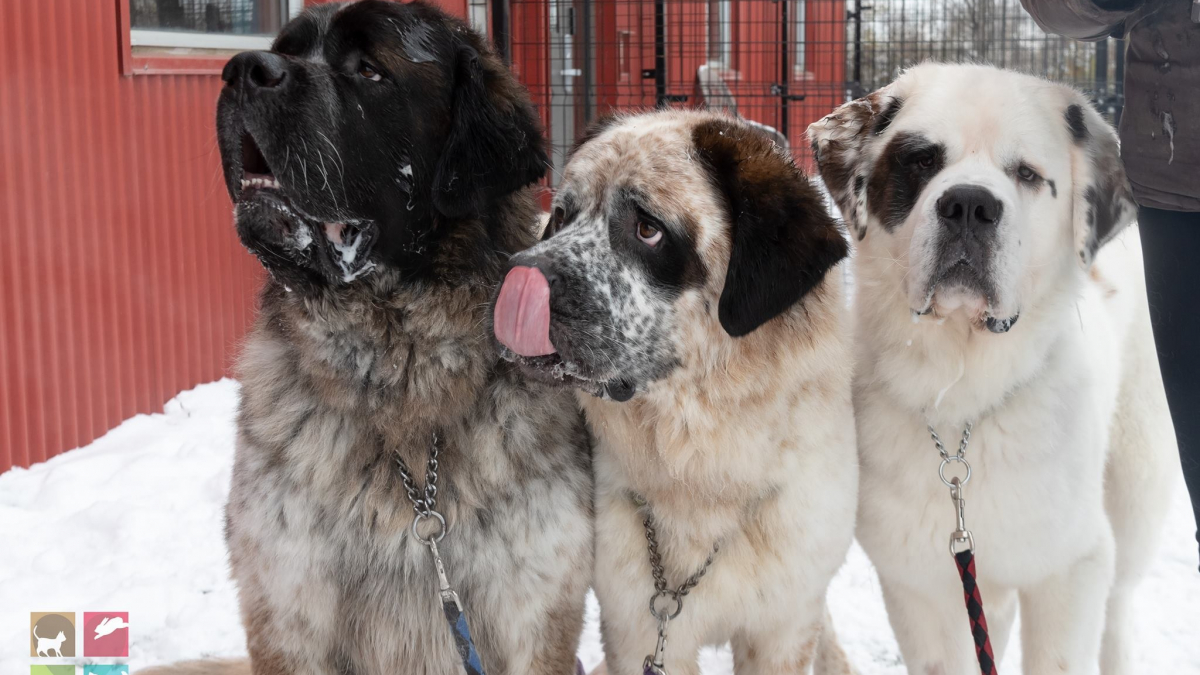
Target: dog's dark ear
{"type": "Point", "coordinates": [839, 143]}
{"type": "Point", "coordinates": [495, 144]}
{"type": "Point", "coordinates": [782, 239]}
{"type": "Point", "coordinates": [1103, 201]}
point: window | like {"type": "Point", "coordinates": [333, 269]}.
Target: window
{"type": "Point", "coordinates": [209, 24]}
{"type": "Point", "coordinates": [720, 33]}
{"type": "Point", "coordinates": [477, 12]}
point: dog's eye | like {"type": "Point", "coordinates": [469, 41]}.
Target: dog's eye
{"type": "Point", "coordinates": [923, 160]}
{"type": "Point", "coordinates": [648, 234]}
{"type": "Point", "coordinates": [368, 71]}
{"type": "Point", "coordinates": [1027, 174]}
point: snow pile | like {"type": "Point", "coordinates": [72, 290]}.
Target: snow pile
{"type": "Point", "coordinates": [133, 523]}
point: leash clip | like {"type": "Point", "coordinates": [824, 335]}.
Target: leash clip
{"type": "Point", "coordinates": [961, 536]}
{"type": "Point", "coordinates": [653, 665]}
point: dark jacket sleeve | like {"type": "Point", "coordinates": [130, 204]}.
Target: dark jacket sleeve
{"type": "Point", "coordinates": [1082, 19]}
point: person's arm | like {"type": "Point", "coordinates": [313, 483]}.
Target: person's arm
{"type": "Point", "coordinates": [1082, 19]}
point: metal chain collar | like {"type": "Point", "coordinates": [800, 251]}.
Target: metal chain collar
{"type": "Point", "coordinates": [424, 503]}
{"type": "Point", "coordinates": [961, 535]}
{"type": "Point", "coordinates": [653, 665]}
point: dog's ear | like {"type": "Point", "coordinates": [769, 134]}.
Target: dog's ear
{"type": "Point", "coordinates": [839, 143]}
{"type": "Point", "coordinates": [782, 240]}
{"type": "Point", "coordinates": [1102, 201]}
{"type": "Point", "coordinates": [495, 145]}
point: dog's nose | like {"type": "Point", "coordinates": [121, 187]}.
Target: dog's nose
{"type": "Point", "coordinates": [969, 206]}
{"type": "Point", "coordinates": [252, 71]}
{"type": "Point", "coordinates": [543, 265]}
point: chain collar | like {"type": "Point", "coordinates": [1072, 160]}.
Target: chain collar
{"type": "Point", "coordinates": [961, 537]}
{"type": "Point", "coordinates": [653, 665]}
{"type": "Point", "coordinates": [424, 502]}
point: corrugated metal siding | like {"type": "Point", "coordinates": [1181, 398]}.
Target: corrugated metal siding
{"type": "Point", "coordinates": [121, 279]}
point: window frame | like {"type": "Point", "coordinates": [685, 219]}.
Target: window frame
{"type": "Point", "coordinates": [162, 52]}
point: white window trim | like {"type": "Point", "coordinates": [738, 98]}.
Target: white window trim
{"type": "Point", "coordinates": [139, 37]}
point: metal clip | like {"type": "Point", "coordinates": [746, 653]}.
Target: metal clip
{"type": "Point", "coordinates": [448, 594]}
{"type": "Point", "coordinates": [961, 535]}
{"type": "Point", "coordinates": [653, 665]}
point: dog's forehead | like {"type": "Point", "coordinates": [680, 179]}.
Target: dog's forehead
{"type": "Point", "coordinates": [980, 109]}
{"type": "Point", "coordinates": [653, 157]}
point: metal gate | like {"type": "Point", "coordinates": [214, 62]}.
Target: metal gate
{"type": "Point", "coordinates": [778, 63]}
{"type": "Point", "coordinates": [782, 64]}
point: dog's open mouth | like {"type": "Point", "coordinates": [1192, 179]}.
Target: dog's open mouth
{"type": "Point", "coordinates": [340, 248]}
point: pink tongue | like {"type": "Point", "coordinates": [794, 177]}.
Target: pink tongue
{"type": "Point", "coordinates": [522, 317]}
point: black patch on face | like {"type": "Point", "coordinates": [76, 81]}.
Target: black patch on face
{"type": "Point", "coordinates": [1076, 123]}
{"type": "Point", "coordinates": [884, 119]}
{"type": "Point", "coordinates": [673, 264]}
{"type": "Point", "coordinates": [902, 171]}
{"type": "Point", "coordinates": [1053, 188]}
{"type": "Point", "coordinates": [442, 135]}
{"type": "Point", "coordinates": [783, 240]}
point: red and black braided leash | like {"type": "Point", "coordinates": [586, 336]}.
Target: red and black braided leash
{"type": "Point", "coordinates": [979, 628]}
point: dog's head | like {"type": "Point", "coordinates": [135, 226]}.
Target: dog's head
{"type": "Point", "coordinates": [980, 185]}
{"type": "Point", "coordinates": [663, 225]}
{"type": "Point", "coordinates": [363, 134]}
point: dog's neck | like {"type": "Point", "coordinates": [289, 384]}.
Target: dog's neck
{"type": "Point", "coordinates": [702, 446]}
{"type": "Point", "coordinates": [947, 370]}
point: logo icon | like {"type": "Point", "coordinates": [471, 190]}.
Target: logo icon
{"type": "Point", "coordinates": [51, 670]}
{"type": "Point", "coordinates": [106, 670]}
{"type": "Point", "coordinates": [52, 635]}
{"type": "Point", "coordinates": [106, 634]}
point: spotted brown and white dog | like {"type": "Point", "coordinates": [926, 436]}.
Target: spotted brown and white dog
{"type": "Point", "coordinates": [382, 160]}
{"type": "Point", "coordinates": [998, 284]}
{"type": "Point", "coordinates": [684, 287]}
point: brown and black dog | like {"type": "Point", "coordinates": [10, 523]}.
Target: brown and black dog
{"type": "Point", "coordinates": [381, 160]}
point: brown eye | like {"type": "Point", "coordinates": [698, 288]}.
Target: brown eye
{"type": "Point", "coordinates": [648, 234]}
{"type": "Point", "coordinates": [924, 161]}
{"type": "Point", "coordinates": [1027, 174]}
{"type": "Point", "coordinates": [368, 71]}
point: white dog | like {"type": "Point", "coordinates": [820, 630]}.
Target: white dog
{"type": "Point", "coordinates": [979, 197]}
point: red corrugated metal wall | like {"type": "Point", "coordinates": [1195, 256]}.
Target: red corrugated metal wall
{"type": "Point", "coordinates": [121, 279]}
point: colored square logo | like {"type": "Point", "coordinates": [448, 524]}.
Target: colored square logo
{"type": "Point", "coordinates": [52, 635]}
{"type": "Point", "coordinates": [106, 634]}
{"type": "Point", "coordinates": [51, 670]}
{"type": "Point", "coordinates": [106, 670]}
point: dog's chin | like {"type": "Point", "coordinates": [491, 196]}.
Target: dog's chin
{"type": "Point", "coordinates": [968, 301]}
{"type": "Point", "coordinates": [554, 370]}
{"type": "Point", "coordinates": [294, 245]}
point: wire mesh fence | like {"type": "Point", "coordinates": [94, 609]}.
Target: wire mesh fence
{"type": "Point", "coordinates": [779, 63]}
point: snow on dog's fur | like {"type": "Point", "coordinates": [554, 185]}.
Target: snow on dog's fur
{"type": "Point", "coordinates": [982, 202]}
{"type": "Point", "coordinates": [690, 296]}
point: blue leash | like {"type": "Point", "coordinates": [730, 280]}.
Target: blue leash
{"type": "Point", "coordinates": [423, 504]}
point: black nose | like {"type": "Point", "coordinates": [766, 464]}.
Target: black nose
{"type": "Point", "coordinates": [544, 265]}
{"type": "Point", "coordinates": [969, 206]}
{"type": "Point", "coordinates": [251, 71]}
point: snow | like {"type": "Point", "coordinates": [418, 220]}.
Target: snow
{"type": "Point", "coordinates": [133, 523]}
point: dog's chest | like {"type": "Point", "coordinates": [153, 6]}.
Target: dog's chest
{"type": "Point", "coordinates": [1034, 499]}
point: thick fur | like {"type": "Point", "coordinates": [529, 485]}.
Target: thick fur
{"type": "Point", "coordinates": [1073, 450]}
{"type": "Point", "coordinates": [717, 372]}
{"type": "Point", "coordinates": [344, 374]}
